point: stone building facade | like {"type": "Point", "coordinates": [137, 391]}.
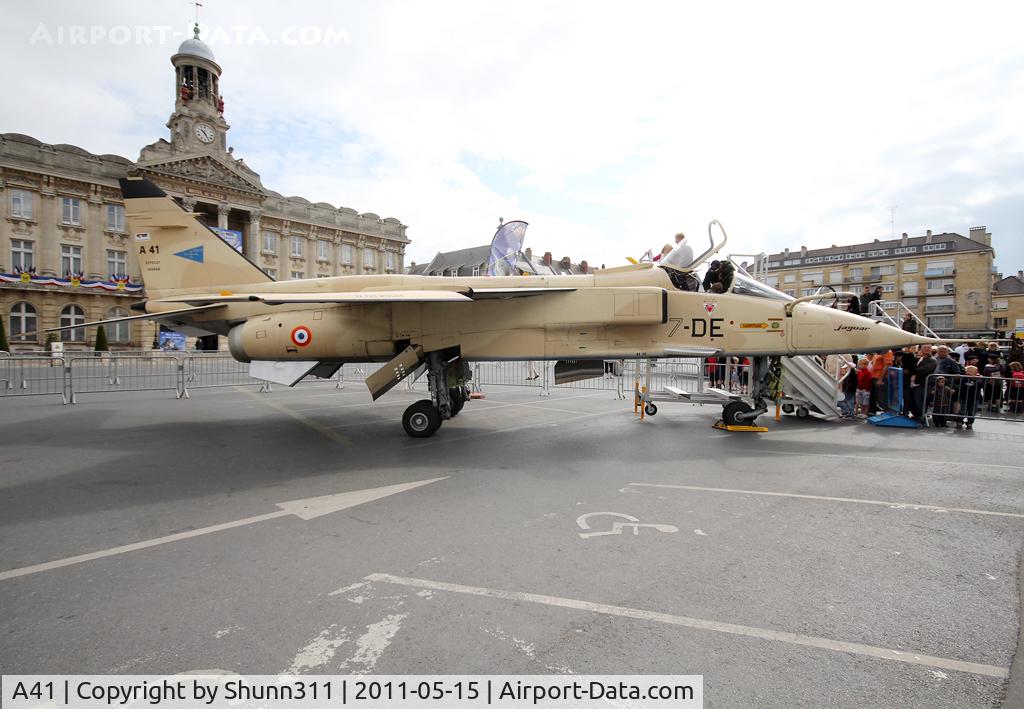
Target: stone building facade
{"type": "Point", "coordinates": [1008, 305]}
{"type": "Point", "coordinates": [946, 279]}
{"type": "Point", "coordinates": [64, 251]}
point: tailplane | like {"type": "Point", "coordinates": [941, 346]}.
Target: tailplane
{"type": "Point", "coordinates": [176, 250]}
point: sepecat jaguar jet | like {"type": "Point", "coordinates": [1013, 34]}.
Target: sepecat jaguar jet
{"type": "Point", "coordinates": [288, 330]}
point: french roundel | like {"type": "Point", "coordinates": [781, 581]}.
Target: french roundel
{"type": "Point", "coordinates": [302, 336]}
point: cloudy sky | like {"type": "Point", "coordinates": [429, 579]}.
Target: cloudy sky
{"type": "Point", "coordinates": [607, 126]}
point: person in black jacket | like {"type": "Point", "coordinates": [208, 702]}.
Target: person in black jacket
{"type": "Point", "coordinates": [865, 299]}
{"type": "Point", "coordinates": [906, 360]}
{"type": "Point", "coordinates": [853, 305]}
{"type": "Point", "coordinates": [909, 324]}
{"type": "Point", "coordinates": [924, 366]}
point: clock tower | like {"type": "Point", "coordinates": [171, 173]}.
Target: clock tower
{"type": "Point", "coordinates": [197, 124]}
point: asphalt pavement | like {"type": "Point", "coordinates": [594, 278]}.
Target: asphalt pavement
{"type": "Point", "coordinates": [816, 564]}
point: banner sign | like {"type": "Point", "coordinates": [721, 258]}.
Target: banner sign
{"type": "Point", "coordinates": [232, 237]}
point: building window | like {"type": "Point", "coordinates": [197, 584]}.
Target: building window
{"type": "Point", "coordinates": [813, 276]}
{"type": "Point", "coordinates": [856, 274]}
{"type": "Point", "coordinates": [877, 271]}
{"type": "Point", "coordinates": [789, 278]}
{"type": "Point", "coordinates": [269, 242]}
{"type": "Point", "coordinates": [944, 304]}
{"type": "Point", "coordinates": [347, 254]}
{"type": "Point", "coordinates": [888, 287]}
{"type": "Point", "coordinates": [910, 302]}
{"type": "Point", "coordinates": [453, 272]}
{"type": "Point", "coordinates": [1000, 323]}
{"type": "Point", "coordinates": [298, 275]}
{"type": "Point", "coordinates": [940, 322]}
{"type": "Point", "coordinates": [272, 272]}
{"type": "Point", "coordinates": [788, 292]}
{"type": "Point", "coordinates": [941, 285]}
{"type": "Point", "coordinates": [117, 264]}
{"type": "Point", "coordinates": [910, 288]}
{"type": "Point", "coordinates": [939, 268]}
{"type": "Point", "coordinates": [369, 258]}
{"type": "Point", "coordinates": [910, 267]}
{"type": "Point", "coordinates": [21, 204]}
{"type": "Point", "coordinates": [1000, 305]}
{"type": "Point", "coordinates": [22, 321]}
{"type": "Point", "coordinates": [389, 260]}
{"type": "Point", "coordinates": [323, 250]}
{"type": "Point", "coordinates": [71, 211]}
{"type": "Point", "coordinates": [772, 281]}
{"type": "Point", "coordinates": [115, 217]}
{"type": "Point", "coordinates": [119, 332]}
{"type": "Point", "coordinates": [298, 247]}
{"type": "Point", "coordinates": [835, 277]}
{"type": "Point", "coordinates": [70, 260]}
{"type": "Point", "coordinates": [476, 270]}
{"type": "Point", "coordinates": [72, 315]}
{"type": "Point", "coordinates": [22, 257]}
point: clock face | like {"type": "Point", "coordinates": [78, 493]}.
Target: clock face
{"type": "Point", "coordinates": [205, 133]}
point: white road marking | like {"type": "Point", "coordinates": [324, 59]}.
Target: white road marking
{"type": "Point", "coordinates": [319, 651]}
{"type": "Point", "coordinates": [882, 503]}
{"type": "Point", "coordinates": [631, 522]}
{"type": "Point", "coordinates": [307, 509]}
{"type": "Point", "coordinates": [372, 644]}
{"type": "Point", "coordinates": [448, 439]}
{"type": "Point", "coordinates": [912, 658]}
{"type": "Point", "coordinates": [917, 461]}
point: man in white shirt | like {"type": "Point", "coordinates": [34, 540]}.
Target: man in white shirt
{"type": "Point", "coordinates": [962, 349]}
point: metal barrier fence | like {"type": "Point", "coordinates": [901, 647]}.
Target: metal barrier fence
{"type": "Point", "coordinates": [962, 398]}
{"type": "Point", "coordinates": [33, 376]}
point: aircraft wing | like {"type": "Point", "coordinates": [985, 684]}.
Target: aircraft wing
{"type": "Point", "coordinates": [394, 296]}
{"type": "Point", "coordinates": [365, 296]}
{"type": "Point", "coordinates": [168, 317]}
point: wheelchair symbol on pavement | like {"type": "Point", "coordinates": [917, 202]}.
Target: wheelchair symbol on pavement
{"type": "Point", "coordinates": [617, 527]}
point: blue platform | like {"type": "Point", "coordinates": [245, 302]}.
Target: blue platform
{"type": "Point", "coordinates": [892, 416]}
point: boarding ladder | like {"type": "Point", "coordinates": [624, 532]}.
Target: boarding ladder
{"type": "Point", "coordinates": [893, 312]}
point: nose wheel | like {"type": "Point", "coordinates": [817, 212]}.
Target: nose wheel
{"type": "Point", "coordinates": [421, 419]}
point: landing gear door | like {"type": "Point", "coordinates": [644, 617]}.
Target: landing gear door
{"type": "Point", "coordinates": [387, 377]}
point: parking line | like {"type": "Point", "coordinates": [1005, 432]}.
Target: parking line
{"type": "Point", "coordinates": [882, 503]}
{"type": "Point", "coordinates": [882, 653]}
{"type": "Point", "coordinates": [304, 420]}
{"type": "Point", "coordinates": [444, 439]}
{"type": "Point", "coordinates": [923, 461]}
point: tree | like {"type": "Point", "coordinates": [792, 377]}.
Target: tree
{"type": "Point", "coordinates": [101, 340]}
{"type": "Point", "coordinates": [4, 346]}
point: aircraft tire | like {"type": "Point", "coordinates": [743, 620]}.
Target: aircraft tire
{"type": "Point", "coordinates": [457, 403]}
{"type": "Point", "coordinates": [650, 409]}
{"type": "Point", "coordinates": [422, 419]}
{"type": "Point", "coordinates": [802, 412]}
{"type": "Point", "coordinates": [730, 410]}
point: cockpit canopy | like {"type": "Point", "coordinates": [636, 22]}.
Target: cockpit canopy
{"type": "Point", "coordinates": [687, 272]}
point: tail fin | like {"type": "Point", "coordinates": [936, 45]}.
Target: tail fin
{"type": "Point", "coordinates": [175, 249]}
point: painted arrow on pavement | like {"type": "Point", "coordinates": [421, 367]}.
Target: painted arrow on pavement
{"type": "Point", "coordinates": [307, 509]}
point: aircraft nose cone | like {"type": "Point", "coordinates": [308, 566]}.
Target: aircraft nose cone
{"type": "Point", "coordinates": [854, 333]}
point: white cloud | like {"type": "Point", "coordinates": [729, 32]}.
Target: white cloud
{"type": "Point", "coordinates": [614, 126]}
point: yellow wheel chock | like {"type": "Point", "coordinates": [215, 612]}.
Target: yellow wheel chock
{"type": "Point", "coordinates": [750, 429]}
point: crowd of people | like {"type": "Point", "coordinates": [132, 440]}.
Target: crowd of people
{"type": "Point", "coordinates": [951, 385]}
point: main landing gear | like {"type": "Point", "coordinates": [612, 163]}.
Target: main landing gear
{"type": "Point", "coordinates": [763, 371]}
{"type": "Point", "coordinates": [446, 377]}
